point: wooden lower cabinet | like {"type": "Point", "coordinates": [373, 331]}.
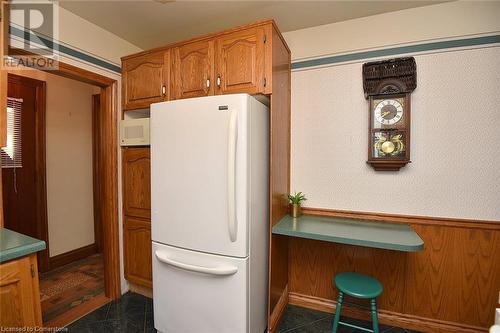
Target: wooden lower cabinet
{"type": "Point", "coordinates": [137, 182]}
{"type": "Point", "coordinates": [137, 245]}
{"type": "Point", "coordinates": [20, 294]}
{"type": "Point", "coordinates": [137, 215]}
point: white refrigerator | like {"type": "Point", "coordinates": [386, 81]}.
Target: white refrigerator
{"type": "Point", "coordinates": [210, 214]}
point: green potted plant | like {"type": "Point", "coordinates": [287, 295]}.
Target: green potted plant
{"type": "Point", "coordinates": [295, 201]}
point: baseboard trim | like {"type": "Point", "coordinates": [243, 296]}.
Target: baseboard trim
{"type": "Point", "coordinates": [77, 312]}
{"type": "Point", "coordinates": [71, 256]}
{"type": "Point", "coordinates": [399, 218]}
{"type": "Point", "coordinates": [385, 317]}
{"type": "Point", "coordinates": [138, 289]}
{"type": "Point", "coordinates": [278, 311]}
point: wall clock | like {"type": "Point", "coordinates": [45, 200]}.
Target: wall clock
{"type": "Point", "coordinates": [388, 85]}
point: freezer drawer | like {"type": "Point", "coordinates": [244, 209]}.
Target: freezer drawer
{"type": "Point", "coordinates": [199, 292]}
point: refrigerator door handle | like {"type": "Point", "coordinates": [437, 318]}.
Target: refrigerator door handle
{"type": "Point", "coordinates": [231, 174]}
{"type": "Point", "coordinates": [221, 270]}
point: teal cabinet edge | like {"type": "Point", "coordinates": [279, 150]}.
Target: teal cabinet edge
{"type": "Point", "coordinates": [14, 245]}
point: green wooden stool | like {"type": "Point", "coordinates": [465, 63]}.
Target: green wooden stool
{"type": "Point", "coordinates": [358, 286]}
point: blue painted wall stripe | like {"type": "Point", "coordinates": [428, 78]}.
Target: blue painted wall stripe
{"type": "Point", "coordinates": [398, 50]}
{"type": "Point", "coordinates": [65, 49]}
{"type": "Point", "coordinates": [476, 41]}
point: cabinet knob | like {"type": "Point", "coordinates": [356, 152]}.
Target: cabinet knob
{"type": "Point", "coordinates": [208, 83]}
{"type": "Point", "coordinates": [163, 90]}
{"type": "Point", "coordinates": [218, 80]}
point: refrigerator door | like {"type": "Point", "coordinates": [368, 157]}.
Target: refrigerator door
{"type": "Point", "coordinates": [199, 292]}
{"type": "Point", "coordinates": [199, 174]}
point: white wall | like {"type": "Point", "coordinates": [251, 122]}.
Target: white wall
{"type": "Point", "coordinates": [86, 36]}
{"type": "Point", "coordinates": [455, 117]}
{"type": "Point", "coordinates": [446, 20]}
{"type": "Point", "coordinates": [69, 164]}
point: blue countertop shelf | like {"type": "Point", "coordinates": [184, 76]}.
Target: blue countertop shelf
{"type": "Point", "coordinates": [14, 245]}
{"type": "Point", "coordinates": [377, 234]}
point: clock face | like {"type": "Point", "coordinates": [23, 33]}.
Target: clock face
{"type": "Point", "coordinates": [389, 131]}
{"type": "Point", "coordinates": [388, 112]}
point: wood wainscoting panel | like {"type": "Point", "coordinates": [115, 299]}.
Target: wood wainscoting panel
{"type": "Point", "coordinates": [457, 277]}
{"type": "Point", "coordinates": [432, 291]}
{"type": "Point", "coordinates": [313, 264]}
{"type": "Point", "coordinates": [452, 285]}
{"type": "Point", "coordinates": [478, 253]}
{"type": "Point", "coordinates": [385, 317]}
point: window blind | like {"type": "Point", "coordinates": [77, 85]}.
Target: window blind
{"type": "Point", "coordinates": [11, 154]}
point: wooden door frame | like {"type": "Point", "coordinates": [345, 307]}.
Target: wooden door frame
{"type": "Point", "coordinates": [108, 171]}
{"type": "Point", "coordinates": [96, 169]}
{"type": "Point", "coordinates": [108, 157]}
{"type": "Point", "coordinates": [42, 231]}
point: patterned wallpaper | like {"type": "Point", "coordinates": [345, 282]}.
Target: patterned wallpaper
{"type": "Point", "coordinates": [455, 152]}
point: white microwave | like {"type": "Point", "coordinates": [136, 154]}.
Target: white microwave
{"type": "Point", "coordinates": [134, 132]}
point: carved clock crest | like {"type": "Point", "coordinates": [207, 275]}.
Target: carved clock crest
{"type": "Point", "coordinates": [388, 85]}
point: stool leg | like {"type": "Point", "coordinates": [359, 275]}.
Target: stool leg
{"type": "Point", "coordinates": [338, 308]}
{"type": "Point", "coordinates": [373, 307]}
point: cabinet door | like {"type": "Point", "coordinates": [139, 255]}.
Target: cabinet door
{"type": "Point", "coordinates": [145, 80]}
{"type": "Point", "coordinates": [18, 305]}
{"type": "Point", "coordinates": [137, 182]}
{"type": "Point", "coordinates": [137, 245]}
{"type": "Point", "coordinates": [193, 68]}
{"type": "Point", "coordinates": [240, 62]}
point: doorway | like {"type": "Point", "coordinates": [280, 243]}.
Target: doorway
{"type": "Point", "coordinates": [54, 135]}
{"type": "Point", "coordinates": [23, 161]}
{"type": "Point", "coordinates": [107, 151]}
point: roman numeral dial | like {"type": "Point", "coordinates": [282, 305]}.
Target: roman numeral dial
{"type": "Point", "coordinates": [388, 112]}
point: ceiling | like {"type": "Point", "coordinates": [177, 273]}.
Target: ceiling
{"type": "Point", "coordinates": [149, 24]}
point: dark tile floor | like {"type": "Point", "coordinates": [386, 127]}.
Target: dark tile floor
{"type": "Point", "coordinates": [131, 313]}
{"type": "Point", "coordinates": [134, 313]}
{"type": "Point", "coordinates": [302, 320]}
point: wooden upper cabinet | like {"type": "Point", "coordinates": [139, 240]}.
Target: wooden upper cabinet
{"type": "Point", "coordinates": [145, 80]}
{"type": "Point", "coordinates": [137, 182]}
{"type": "Point", "coordinates": [193, 70]}
{"type": "Point", "coordinates": [240, 61]}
